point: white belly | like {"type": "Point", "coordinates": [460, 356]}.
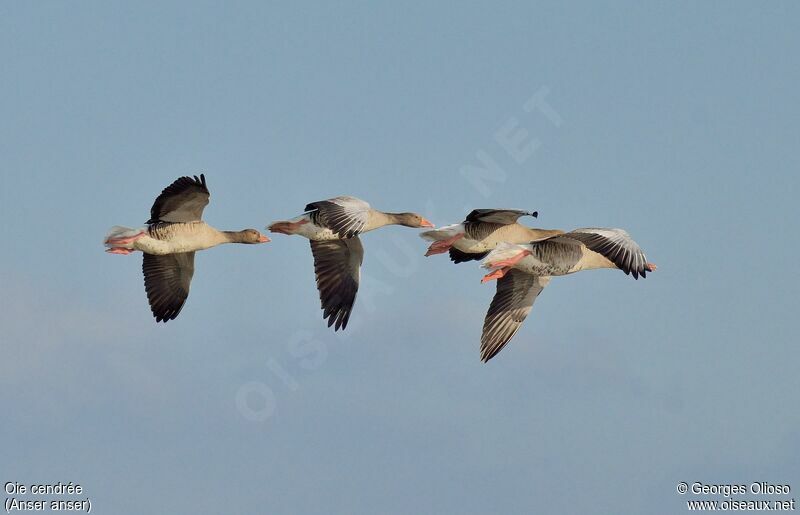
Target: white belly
{"type": "Point", "coordinates": [312, 231]}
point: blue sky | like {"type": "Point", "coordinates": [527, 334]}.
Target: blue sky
{"type": "Point", "coordinates": [677, 122]}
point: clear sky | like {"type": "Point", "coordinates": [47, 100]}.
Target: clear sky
{"type": "Point", "coordinates": [677, 122]}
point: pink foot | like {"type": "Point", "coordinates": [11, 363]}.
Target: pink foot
{"type": "Point", "coordinates": [286, 227]}
{"type": "Point", "coordinates": [442, 246]}
{"type": "Point", "coordinates": [119, 250]}
{"type": "Point", "coordinates": [436, 249]}
{"type": "Point", "coordinates": [510, 261]}
{"type": "Point", "coordinates": [650, 267]}
{"type": "Point", "coordinates": [495, 274]}
{"type": "Point", "coordinates": [124, 241]}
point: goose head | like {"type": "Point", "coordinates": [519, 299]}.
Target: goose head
{"type": "Point", "coordinates": [412, 220]}
{"type": "Point", "coordinates": [249, 236]}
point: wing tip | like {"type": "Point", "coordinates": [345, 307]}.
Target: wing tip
{"type": "Point", "coordinates": [338, 319]}
{"type": "Point", "coordinates": [490, 351]}
{"type": "Point", "coordinates": [166, 316]}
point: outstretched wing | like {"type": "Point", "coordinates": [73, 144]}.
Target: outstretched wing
{"type": "Point", "coordinates": [166, 280]}
{"type": "Point", "coordinates": [498, 216]}
{"type": "Point", "coordinates": [512, 302]}
{"type": "Point", "coordinates": [181, 201]}
{"type": "Point", "coordinates": [346, 216]}
{"type": "Point", "coordinates": [337, 265]}
{"type": "Point", "coordinates": [615, 245]}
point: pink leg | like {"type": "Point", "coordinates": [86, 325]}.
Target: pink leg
{"type": "Point", "coordinates": [650, 267]}
{"type": "Point", "coordinates": [442, 246]}
{"type": "Point", "coordinates": [126, 240]}
{"type": "Point", "coordinates": [510, 261]}
{"type": "Point", "coordinates": [496, 274]}
{"type": "Point", "coordinates": [286, 227]}
{"type": "Point", "coordinates": [119, 250]}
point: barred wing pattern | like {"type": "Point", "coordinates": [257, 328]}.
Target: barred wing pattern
{"type": "Point", "coordinates": [337, 265]}
{"type": "Point", "coordinates": [614, 244]}
{"type": "Point", "coordinates": [512, 302]}
{"type": "Point", "coordinates": [345, 216]}
{"type": "Point", "coordinates": [166, 280]}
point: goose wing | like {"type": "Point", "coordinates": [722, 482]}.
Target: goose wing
{"type": "Point", "coordinates": [458, 256]}
{"type": "Point", "coordinates": [498, 216]}
{"type": "Point", "coordinates": [337, 265]}
{"type": "Point", "coordinates": [181, 201]}
{"type": "Point", "coordinates": [512, 302]}
{"type": "Point", "coordinates": [346, 216]}
{"type": "Point", "coordinates": [166, 280]}
{"type": "Point", "coordinates": [614, 244]}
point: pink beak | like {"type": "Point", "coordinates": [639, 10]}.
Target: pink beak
{"type": "Point", "coordinates": [263, 239]}
{"type": "Point", "coordinates": [426, 223]}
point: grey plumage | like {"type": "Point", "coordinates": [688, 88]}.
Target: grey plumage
{"type": "Point", "coordinates": [167, 279]}
{"type": "Point", "coordinates": [181, 201]}
{"type": "Point", "coordinates": [512, 302]}
{"type": "Point", "coordinates": [337, 265]}
{"type": "Point", "coordinates": [616, 245]}
{"type": "Point", "coordinates": [345, 216]}
{"type": "Point", "coordinates": [498, 216]}
{"type": "Point", "coordinates": [481, 230]}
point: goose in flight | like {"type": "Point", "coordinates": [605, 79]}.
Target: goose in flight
{"type": "Point", "coordinates": [480, 232]}
{"type": "Point", "coordinates": [173, 234]}
{"type": "Point", "coordinates": [333, 227]}
{"type": "Point", "coordinates": [522, 272]}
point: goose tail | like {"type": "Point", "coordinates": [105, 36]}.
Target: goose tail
{"type": "Point", "coordinates": [119, 236]}
{"type": "Point", "coordinates": [442, 233]}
